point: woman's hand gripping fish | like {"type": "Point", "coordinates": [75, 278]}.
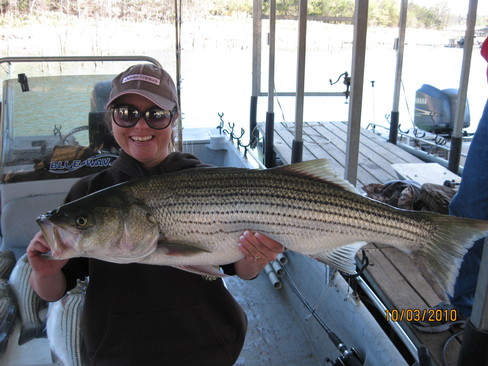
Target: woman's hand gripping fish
{"type": "Point", "coordinates": [192, 219]}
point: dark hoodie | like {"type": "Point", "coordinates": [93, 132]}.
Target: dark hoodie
{"type": "Point", "coordinates": [136, 314]}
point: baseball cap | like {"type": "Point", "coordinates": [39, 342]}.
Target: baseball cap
{"type": "Point", "coordinates": [147, 80]}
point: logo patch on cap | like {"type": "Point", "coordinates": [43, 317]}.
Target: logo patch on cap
{"type": "Point", "coordinates": [142, 77]}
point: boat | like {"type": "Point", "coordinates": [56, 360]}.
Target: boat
{"type": "Point", "coordinates": [300, 311]}
{"type": "Point", "coordinates": [435, 110]}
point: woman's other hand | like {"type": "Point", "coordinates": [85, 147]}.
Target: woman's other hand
{"type": "Point", "coordinates": [258, 250]}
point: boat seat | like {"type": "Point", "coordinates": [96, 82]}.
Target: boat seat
{"type": "Point", "coordinates": [18, 220]}
{"type": "Point", "coordinates": [99, 135]}
{"type": "Point", "coordinates": [99, 96]}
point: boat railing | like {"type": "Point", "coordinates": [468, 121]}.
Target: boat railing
{"type": "Point", "coordinates": [10, 60]}
{"type": "Point", "coordinates": [430, 147]}
{"type": "Point", "coordinates": [426, 146]}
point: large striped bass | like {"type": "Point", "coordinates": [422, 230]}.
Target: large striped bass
{"type": "Point", "coordinates": [192, 220]}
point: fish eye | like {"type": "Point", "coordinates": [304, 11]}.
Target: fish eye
{"type": "Point", "coordinates": [81, 221]}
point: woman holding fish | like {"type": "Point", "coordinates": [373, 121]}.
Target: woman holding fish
{"type": "Point", "coordinates": [137, 314]}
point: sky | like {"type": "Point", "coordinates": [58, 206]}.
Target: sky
{"type": "Point", "coordinates": [457, 6]}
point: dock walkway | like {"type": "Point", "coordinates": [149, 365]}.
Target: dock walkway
{"type": "Point", "coordinates": [391, 273]}
{"type": "Point", "coordinates": [328, 140]}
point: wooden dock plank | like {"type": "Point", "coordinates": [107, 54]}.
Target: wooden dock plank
{"type": "Point", "coordinates": [377, 154]}
{"type": "Point", "coordinates": [372, 165]}
{"type": "Point", "coordinates": [321, 147]}
{"type": "Point", "coordinates": [405, 265]}
{"type": "Point", "coordinates": [406, 289]}
{"type": "Point", "coordinates": [338, 140]}
{"type": "Point", "coordinates": [327, 140]}
{"type": "Point", "coordinates": [378, 143]}
{"type": "Point", "coordinates": [283, 142]}
{"type": "Point", "coordinates": [392, 281]}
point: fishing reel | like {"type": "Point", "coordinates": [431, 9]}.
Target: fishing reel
{"type": "Point", "coordinates": [348, 357]}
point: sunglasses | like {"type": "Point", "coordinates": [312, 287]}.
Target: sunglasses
{"type": "Point", "coordinates": [126, 115]}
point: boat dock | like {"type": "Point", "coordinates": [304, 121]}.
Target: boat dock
{"type": "Point", "coordinates": [327, 140]}
{"type": "Point", "coordinates": [391, 273]}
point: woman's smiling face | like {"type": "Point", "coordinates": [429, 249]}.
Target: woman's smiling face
{"type": "Point", "coordinates": [143, 143]}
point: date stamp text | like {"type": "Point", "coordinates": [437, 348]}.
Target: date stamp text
{"type": "Point", "coordinates": [421, 315]}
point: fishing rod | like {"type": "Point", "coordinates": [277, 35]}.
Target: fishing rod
{"type": "Point", "coordinates": [348, 356]}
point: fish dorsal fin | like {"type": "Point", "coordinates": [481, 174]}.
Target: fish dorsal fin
{"type": "Point", "coordinates": [318, 169]}
{"type": "Point", "coordinates": [342, 258]}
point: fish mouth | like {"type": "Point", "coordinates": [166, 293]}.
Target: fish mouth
{"type": "Point", "coordinates": [60, 241]}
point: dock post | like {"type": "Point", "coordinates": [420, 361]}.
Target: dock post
{"type": "Point", "coordinates": [400, 47]}
{"type": "Point", "coordinates": [455, 154]}
{"type": "Point", "coordinates": [394, 127]}
{"type": "Point", "coordinates": [357, 82]}
{"type": "Point", "coordinates": [473, 349]}
{"type": "Point", "coordinates": [457, 133]}
{"type": "Point", "coordinates": [269, 154]}
{"type": "Point", "coordinates": [253, 131]}
{"type": "Point", "coordinates": [297, 146]}
{"type": "Point", "coordinates": [256, 70]}
{"type": "Point", "coordinates": [296, 151]}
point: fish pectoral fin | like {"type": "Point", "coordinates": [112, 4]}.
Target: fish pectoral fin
{"type": "Point", "coordinates": [212, 271]}
{"type": "Point", "coordinates": [341, 258]}
{"type": "Point", "coordinates": [180, 249]}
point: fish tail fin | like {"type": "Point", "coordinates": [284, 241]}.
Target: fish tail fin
{"type": "Point", "coordinates": [441, 257]}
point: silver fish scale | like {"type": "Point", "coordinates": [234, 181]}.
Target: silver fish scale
{"type": "Point", "coordinates": [8, 312]}
{"type": "Point", "coordinates": [210, 206]}
{"type": "Point", "coordinates": [63, 326]}
{"type": "Point", "coordinates": [7, 263]}
{"type": "Point", "coordinates": [29, 303]}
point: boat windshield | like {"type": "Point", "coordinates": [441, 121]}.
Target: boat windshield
{"type": "Point", "coordinates": [54, 127]}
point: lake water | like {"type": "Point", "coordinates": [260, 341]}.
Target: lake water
{"type": "Point", "coordinates": [215, 83]}
{"type": "Point", "coordinates": [216, 64]}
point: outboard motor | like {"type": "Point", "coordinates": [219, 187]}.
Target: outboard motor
{"type": "Point", "coordinates": [435, 110]}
